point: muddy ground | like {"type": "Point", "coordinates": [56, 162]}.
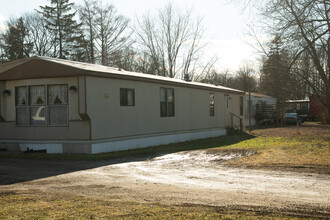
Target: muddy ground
{"type": "Point", "coordinates": [194, 177]}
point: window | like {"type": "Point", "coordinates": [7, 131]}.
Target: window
{"type": "Point", "coordinates": [240, 105]}
{"type": "Point", "coordinates": [34, 102]}
{"type": "Point", "coordinates": [127, 97]}
{"type": "Point", "coordinates": [211, 104]}
{"type": "Point", "coordinates": [21, 106]}
{"type": "Point", "coordinates": [166, 102]}
{"type": "Point", "coordinates": [304, 106]}
{"type": "Point", "coordinates": [57, 104]}
{"type": "Point", "coordinates": [37, 105]}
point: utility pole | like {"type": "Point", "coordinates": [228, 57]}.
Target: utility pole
{"type": "Point", "coordinates": [250, 110]}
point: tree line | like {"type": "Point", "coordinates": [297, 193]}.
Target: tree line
{"type": "Point", "coordinates": [167, 43]}
{"type": "Point", "coordinates": [300, 57]}
{"type": "Point", "coordinates": [294, 63]}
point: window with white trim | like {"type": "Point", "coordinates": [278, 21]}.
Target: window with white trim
{"type": "Point", "coordinates": [21, 106]}
{"type": "Point", "coordinates": [57, 105]}
{"type": "Point", "coordinates": [42, 105]}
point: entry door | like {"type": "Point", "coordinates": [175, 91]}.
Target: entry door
{"type": "Point", "coordinates": [228, 109]}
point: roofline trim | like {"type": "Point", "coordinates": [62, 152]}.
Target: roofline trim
{"type": "Point", "coordinates": [111, 72]}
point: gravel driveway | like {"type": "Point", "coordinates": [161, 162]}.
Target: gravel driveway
{"type": "Point", "coordinates": [194, 177]}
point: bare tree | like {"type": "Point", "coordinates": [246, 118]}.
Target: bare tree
{"type": "Point", "coordinates": [106, 32]}
{"type": "Point", "coordinates": [39, 35]}
{"type": "Point", "coordinates": [305, 28]}
{"type": "Point", "coordinates": [172, 40]}
{"type": "Point", "coordinates": [87, 15]}
{"type": "Point", "coordinates": [152, 49]}
{"type": "Point", "coordinates": [206, 71]}
{"type": "Point", "coordinates": [110, 31]}
{"type": "Point", "coordinates": [245, 79]}
{"type": "Point", "coordinates": [223, 78]}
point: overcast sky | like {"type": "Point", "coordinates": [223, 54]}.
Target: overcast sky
{"type": "Point", "coordinates": [224, 23]}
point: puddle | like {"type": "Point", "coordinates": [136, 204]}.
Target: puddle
{"type": "Point", "coordinates": [205, 170]}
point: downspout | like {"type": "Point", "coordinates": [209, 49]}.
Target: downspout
{"type": "Point", "coordinates": [1, 100]}
{"type": "Point", "coordinates": [82, 100]}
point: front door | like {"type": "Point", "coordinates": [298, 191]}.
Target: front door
{"type": "Point", "coordinates": [228, 110]}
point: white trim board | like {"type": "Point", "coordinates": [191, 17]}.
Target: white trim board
{"type": "Point", "coordinates": [153, 141]}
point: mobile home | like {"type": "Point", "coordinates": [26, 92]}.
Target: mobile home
{"type": "Point", "coordinates": [71, 107]}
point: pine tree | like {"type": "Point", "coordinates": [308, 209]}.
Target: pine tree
{"type": "Point", "coordinates": [60, 19]}
{"type": "Point", "coordinates": [275, 72]}
{"type": "Point", "coordinates": [15, 44]}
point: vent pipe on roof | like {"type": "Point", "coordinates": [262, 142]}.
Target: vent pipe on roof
{"type": "Point", "coordinates": [187, 78]}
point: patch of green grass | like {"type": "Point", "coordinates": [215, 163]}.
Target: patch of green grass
{"type": "Point", "coordinates": [16, 206]}
{"type": "Point", "coordinates": [311, 152]}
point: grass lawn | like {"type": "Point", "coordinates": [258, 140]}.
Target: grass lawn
{"type": "Point", "coordinates": [311, 153]}
{"type": "Point", "coordinates": [14, 206]}
{"type": "Point", "coordinates": [297, 153]}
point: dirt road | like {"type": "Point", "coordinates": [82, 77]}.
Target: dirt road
{"type": "Point", "coordinates": [195, 177]}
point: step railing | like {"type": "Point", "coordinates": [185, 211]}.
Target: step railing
{"type": "Point", "coordinates": [232, 117]}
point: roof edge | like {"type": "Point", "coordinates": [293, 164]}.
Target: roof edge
{"type": "Point", "coordinates": [12, 64]}
{"type": "Point", "coordinates": [97, 70]}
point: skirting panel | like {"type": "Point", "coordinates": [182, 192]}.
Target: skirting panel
{"type": "Point", "coordinates": [56, 147]}
{"type": "Point", "coordinates": [51, 148]}
{"type": "Point", "coordinates": [153, 141]}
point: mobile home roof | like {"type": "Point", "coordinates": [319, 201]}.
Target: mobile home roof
{"type": "Point", "coordinates": [15, 71]}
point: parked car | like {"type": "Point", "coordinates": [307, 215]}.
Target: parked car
{"type": "Point", "coordinates": [293, 118]}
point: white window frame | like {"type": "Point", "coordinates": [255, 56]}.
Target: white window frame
{"type": "Point", "coordinates": [46, 105]}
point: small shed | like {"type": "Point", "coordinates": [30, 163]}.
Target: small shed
{"type": "Point", "coordinates": [261, 104]}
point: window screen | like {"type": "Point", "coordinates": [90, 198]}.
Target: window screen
{"type": "Point", "coordinates": [241, 105]}
{"type": "Point", "coordinates": [57, 105]}
{"type": "Point", "coordinates": [211, 104]}
{"type": "Point", "coordinates": [127, 97]}
{"type": "Point", "coordinates": [166, 102]}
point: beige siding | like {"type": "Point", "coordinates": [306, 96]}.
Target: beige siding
{"type": "Point", "coordinates": [110, 120]}
{"type": "Point", "coordinates": [2, 99]}
{"type": "Point", "coordinates": [76, 129]}
{"type": "Point", "coordinates": [9, 109]}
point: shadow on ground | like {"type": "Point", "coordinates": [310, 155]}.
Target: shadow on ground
{"type": "Point", "coordinates": [19, 167]}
